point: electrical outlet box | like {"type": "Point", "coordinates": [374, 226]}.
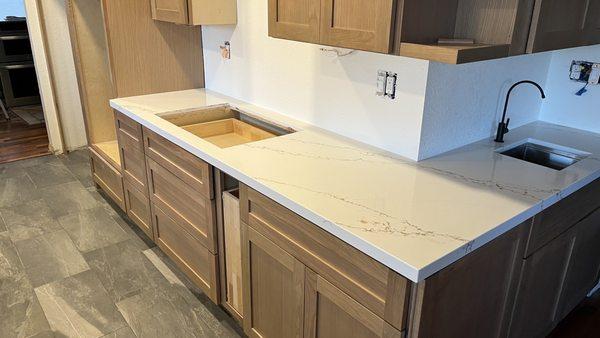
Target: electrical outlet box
{"type": "Point", "coordinates": [595, 74]}
{"type": "Point", "coordinates": [584, 71]}
{"type": "Point", "coordinates": [386, 84]}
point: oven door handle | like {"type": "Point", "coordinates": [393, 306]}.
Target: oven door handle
{"type": "Point", "coordinates": [11, 67]}
{"type": "Point", "coordinates": [14, 37]}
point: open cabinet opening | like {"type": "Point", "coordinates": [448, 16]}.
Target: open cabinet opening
{"type": "Point", "coordinates": [90, 48]}
{"type": "Point", "coordinates": [459, 31]}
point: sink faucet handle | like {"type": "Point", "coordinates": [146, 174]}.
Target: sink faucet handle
{"type": "Point", "coordinates": [506, 130]}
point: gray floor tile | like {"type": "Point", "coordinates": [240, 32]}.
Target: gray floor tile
{"type": "Point", "coordinates": [45, 175]}
{"type": "Point", "coordinates": [2, 224]}
{"type": "Point", "coordinates": [17, 190]}
{"type": "Point", "coordinates": [20, 311]}
{"type": "Point", "coordinates": [28, 220]}
{"type": "Point", "coordinates": [10, 170]}
{"type": "Point", "coordinates": [163, 313]}
{"type": "Point", "coordinates": [50, 159]}
{"type": "Point", "coordinates": [124, 270]}
{"type": "Point", "coordinates": [68, 198]}
{"type": "Point", "coordinates": [92, 229]}
{"type": "Point", "coordinates": [10, 263]}
{"type": "Point", "coordinates": [79, 306]}
{"type": "Point", "coordinates": [81, 155]}
{"type": "Point", "coordinates": [50, 257]}
{"type": "Point", "coordinates": [124, 332]}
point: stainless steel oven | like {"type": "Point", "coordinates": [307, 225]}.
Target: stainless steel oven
{"type": "Point", "coordinates": [15, 47]}
{"type": "Point", "coordinates": [19, 83]}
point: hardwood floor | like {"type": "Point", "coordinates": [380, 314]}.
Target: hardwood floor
{"type": "Point", "coordinates": [18, 140]}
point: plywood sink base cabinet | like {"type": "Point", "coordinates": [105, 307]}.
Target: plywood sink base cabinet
{"type": "Point", "coordinates": [281, 276]}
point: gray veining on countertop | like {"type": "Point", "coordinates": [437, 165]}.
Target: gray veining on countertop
{"type": "Point", "coordinates": [416, 218]}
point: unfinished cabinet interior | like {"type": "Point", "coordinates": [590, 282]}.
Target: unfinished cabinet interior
{"type": "Point", "coordinates": [195, 12]}
{"type": "Point", "coordinates": [558, 24]}
{"type": "Point", "coordinates": [229, 236]}
{"type": "Point", "coordinates": [110, 40]}
{"type": "Point", "coordinates": [295, 274]}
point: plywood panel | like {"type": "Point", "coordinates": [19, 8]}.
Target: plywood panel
{"type": "Point", "coordinates": [88, 40]}
{"type": "Point", "coordinates": [149, 56]}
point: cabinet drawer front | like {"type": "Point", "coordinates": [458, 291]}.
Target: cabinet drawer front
{"type": "Point", "coordinates": [128, 129]}
{"type": "Point", "coordinates": [186, 206]}
{"type": "Point", "coordinates": [195, 260]}
{"type": "Point", "coordinates": [133, 163]}
{"type": "Point", "coordinates": [175, 11]}
{"type": "Point", "coordinates": [555, 220]}
{"type": "Point", "coordinates": [376, 287]}
{"type": "Point", "coordinates": [108, 178]}
{"type": "Point", "coordinates": [184, 165]}
{"type": "Point", "coordinates": [138, 208]}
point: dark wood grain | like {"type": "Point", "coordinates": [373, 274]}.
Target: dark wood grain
{"type": "Point", "coordinates": [19, 141]}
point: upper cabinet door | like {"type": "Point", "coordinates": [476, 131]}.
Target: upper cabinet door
{"type": "Point", "coordinates": [358, 24]}
{"type": "Point", "coordinates": [175, 11]}
{"type": "Point", "coordinates": [561, 24]}
{"type": "Point", "coordinates": [294, 19]}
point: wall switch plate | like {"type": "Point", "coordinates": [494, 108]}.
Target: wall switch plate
{"type": "Point", "coordinates": [595, 74]}
{"type": "Point", "coordinates": [381, 82]}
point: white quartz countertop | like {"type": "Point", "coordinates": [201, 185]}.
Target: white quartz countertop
{"type": "Point", "coordinates": [415, 218]}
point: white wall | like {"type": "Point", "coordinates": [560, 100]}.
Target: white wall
{"type": "Point", "coordinates": [12, 8]}
{"type": "Point", "coordinates": [299, 80]}
{"type": "Point", "coordinates": [563, 106]}
{"type": "Point", "coordinates": [60, 58]}
{"type": "Point", "coordinates": [464, 103]}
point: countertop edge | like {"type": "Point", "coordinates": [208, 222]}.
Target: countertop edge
{"type": "Point", "coordinates": [413, 274]}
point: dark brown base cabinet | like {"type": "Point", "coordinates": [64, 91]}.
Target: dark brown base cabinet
{"type": "Point", "coordinates": [300, 281]}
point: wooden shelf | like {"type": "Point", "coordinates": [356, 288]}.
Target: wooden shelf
{"type": "Point", "coordinates": [454, 54]}
{"type": "Point", "coordinates": [110, 151]}
{"type": "Point", "coordinates": [228, 132]}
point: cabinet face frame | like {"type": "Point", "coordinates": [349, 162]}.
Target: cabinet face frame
{"type": "Point", "coordinates": [251, 239]}
{"type": "Point", "coordinates": [178, 14]}
{"type": "Point", "coordinates": [306, 32]}
{"type": "Point", "coordinates": [378, 40]}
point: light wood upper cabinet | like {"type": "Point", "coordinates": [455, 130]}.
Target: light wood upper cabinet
{"type": "Point", "coordinates": [274, 289]}
{"type": "Point", "coordinates": [357, 24]}
{"type": "Point", "coordinates": [174, 11]}
{"type": "Point", "coordinates": [329, 312]}
{"type": "Point", "coordinates": [295, 19]}
{"type": "Point", "coordinates": [195, 12]}
{"type": "Point", "coordinates": [560, 24]}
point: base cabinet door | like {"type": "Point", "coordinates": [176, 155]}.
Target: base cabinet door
{"type": "Point", "coordinates": [536, 307]}
{"type": "Point", "coordinates": [274, 289]}
{"type": "Point", "coordinates": [584, 265]}
{"type": "Point", "coordinates": [330, 313]}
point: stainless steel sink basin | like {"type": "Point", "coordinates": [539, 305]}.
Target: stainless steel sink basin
{"type": "Point", "coordinates": [549, 157]}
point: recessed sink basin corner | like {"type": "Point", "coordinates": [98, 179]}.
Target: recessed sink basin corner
{"type": "Point", "coordinates": [544, 154]}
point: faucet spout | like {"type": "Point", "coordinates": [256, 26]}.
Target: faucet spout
{"type": "Point", "coordinates": [503, 126]}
